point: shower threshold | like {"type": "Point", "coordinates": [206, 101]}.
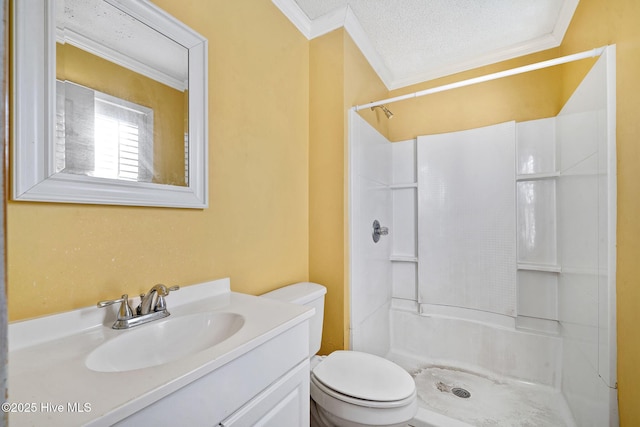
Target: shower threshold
{"type": "Point", "coordinates": [494, 401]}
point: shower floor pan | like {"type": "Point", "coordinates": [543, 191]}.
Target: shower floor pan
{"type": "Point", "coordinates": [492, 401]}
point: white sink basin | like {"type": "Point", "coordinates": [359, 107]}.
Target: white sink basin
{"type": "Point", "coordinates": [164, 341]}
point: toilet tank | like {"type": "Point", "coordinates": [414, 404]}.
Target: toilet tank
{"type": "Point", "coordinates": [311, 295]}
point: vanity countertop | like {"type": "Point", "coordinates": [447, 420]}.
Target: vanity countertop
{"type": "Point", "coordinates": [49, 383]}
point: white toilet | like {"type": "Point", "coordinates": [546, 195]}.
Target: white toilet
{"type": "Point", "coordinates": [350, 388]}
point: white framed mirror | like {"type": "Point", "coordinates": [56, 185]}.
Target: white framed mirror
{"type": "Point", "coordinates": [110, 105]}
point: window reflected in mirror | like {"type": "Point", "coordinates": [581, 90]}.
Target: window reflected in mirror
{"type": "Point", "coordinates": [101, 135]}
{"type": "Point", "coordinates": [119, 116]}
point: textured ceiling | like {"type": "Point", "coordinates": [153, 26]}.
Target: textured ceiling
{"type": "Point", "coordinates": [409, 41]}
{"type": "Point", "coordinates": [104, 30]}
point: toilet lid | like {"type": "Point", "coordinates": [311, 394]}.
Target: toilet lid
{"type": "Point", "coordinates": [364, 376]}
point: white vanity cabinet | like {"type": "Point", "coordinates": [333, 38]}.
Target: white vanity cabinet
{"type": "Point", "coordinates": [267, 386]}
{"type": "Point", "coordinates": [257, 376]}
{"type": "Point", "coordinates": [284, 403]}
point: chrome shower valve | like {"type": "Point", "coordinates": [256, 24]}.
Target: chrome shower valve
{"type": "Point", "coordinates": [378, 231]}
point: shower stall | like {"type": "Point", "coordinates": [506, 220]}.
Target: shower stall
{"type": "Point", "coordinates": [495, 285]}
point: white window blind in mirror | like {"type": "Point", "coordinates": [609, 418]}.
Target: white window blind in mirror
{"type": "Point", "coordinates": [115, 141]}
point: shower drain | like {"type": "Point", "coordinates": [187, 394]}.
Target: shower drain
{"type": "Point", "coordinates": [460, 392]}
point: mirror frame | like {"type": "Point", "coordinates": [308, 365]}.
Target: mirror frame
{"type": "Point", "coordinates": [33, 105]}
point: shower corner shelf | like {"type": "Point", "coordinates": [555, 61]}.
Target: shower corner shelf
{"type": "Point", "coordinates": [537, 176]}
{"type": "Point", "coordinates": [549, 268]}
{"type": "Point", "coordinates": [403, 186]}
{"type": "Point", "coordinates": [403, 258]}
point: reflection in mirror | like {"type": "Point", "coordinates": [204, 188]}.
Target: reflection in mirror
{"type": "Point", "coordinates": [110, 104]}
{"type": "Point", "coordinates": [115, 74]}
{"type": "Point", "coordinates": [101, 135]}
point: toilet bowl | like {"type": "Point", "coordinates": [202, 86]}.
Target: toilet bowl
{"type": "Point", "coordinates": [350, 388]}
{"type": "Point", "coordinates": [354, 389]}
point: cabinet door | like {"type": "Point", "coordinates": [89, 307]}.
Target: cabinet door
{"type": "Point", "coordinates": [284, 403]}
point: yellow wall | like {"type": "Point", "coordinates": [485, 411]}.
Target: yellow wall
{"type": "Point", "coordinates": [326, 182]}
{"type": "Point", "coordinates": [65, 256]}
{"type": "Point", "coordinates": [523, 97]}
{"type": "Point", "coordinates": [340, 77]}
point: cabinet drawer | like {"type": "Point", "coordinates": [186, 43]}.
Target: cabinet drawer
{"type": "Point", "coordinates": [284, 403]}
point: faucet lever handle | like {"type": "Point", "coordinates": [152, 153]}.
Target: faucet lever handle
{"type": "Point", "coordinates": [124, 312]}
{"type": "Point", "coordinates": [161, 304]}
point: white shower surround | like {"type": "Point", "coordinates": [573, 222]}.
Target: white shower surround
{"type": "Point", "coordinates": [564, 334]}
{"type": "Point", "coordinates": [466, 219]}
{"type": "Point", "coordinates": [370, 177]}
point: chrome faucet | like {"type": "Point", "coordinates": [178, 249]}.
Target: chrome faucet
{"type": "Point", "coordinates": [144, 312]}
{"type": "Point", "coordinates": [160, 291]}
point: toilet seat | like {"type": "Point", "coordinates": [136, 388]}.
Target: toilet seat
{"type": "Point", "coordinates": [318, 387]}
{"type": "Point", "coordinates": [337, 409]}
{"type": "Point", "coordinates": [363, 379]}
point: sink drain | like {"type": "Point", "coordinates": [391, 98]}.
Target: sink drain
{"type": "Point", "coordinates": [460, 392]}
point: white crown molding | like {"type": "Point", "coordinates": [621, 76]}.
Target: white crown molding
{"type": "Point", "coordinates": [564, 19]}
{"type": "Point", "coordinates": [311, 29]}
{"type": "Point", "coordinates": [341, 17]}
{"type": "Point", "coordinates": [111, 55]}
{"type": "Point", "coordinates": [346, 18]}
{"type": "Point", "coordinates": [357, 33]}
{"type": "Point", "coordinates": [542, 43]}
{"type": "Point", "coordinates": [328, 22]}
{"type": "Point", "coordinates": [291, 10]}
